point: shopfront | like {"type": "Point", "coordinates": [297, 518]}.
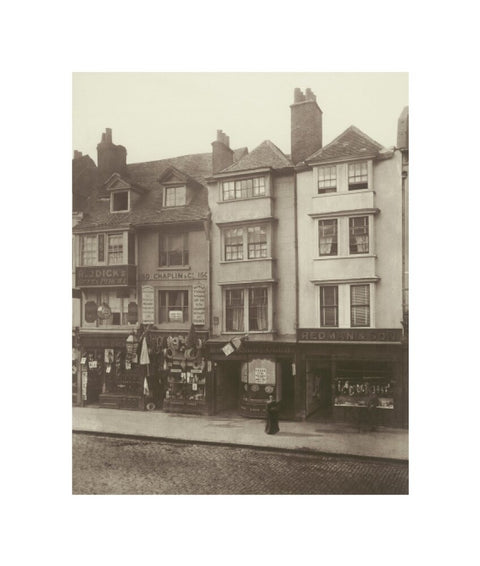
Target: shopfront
{"type": "Point", "coordinates": [246, 376]}
{"type": "Point", "coordinates": [340, 377]}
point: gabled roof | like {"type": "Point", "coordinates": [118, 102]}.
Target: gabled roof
{"type": "Point", "coordinates": [267, 154]}
{"type": "Point", "coordinates": [351, 144]}
{"type": "Point", "coordinates": [148, 208]}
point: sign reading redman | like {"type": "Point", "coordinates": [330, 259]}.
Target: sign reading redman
{"type": "Point", "coordinates": [349, 335]}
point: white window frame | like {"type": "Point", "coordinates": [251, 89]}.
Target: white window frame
{"type": "Point", "coordinates": [344, 302]}
{"type": "Point", "coordinates": [171, 324]}
{"type": "Point", "coordinates": [245, 228]}
{"type": "Point", "coordinates": [98, 296]}
{"type": "Point", "coordinates": [246, 308]}
{"type": "Point", "coordinates": [235, 189]}
{"type": "Point", "coordinates": [328, 188]}
{"type": "Point", "coordinates": [176, 189]}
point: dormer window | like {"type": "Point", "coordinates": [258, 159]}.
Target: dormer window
{"type": "Point", "coordinates": [120, 201]}
{"type": "Point", "coordinates": [175, 196]}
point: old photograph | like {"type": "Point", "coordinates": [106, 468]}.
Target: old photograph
{"type": "Point", "coordinates": [240, 283]}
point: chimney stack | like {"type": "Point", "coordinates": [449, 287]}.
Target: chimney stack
{"type": "Point", "coordinates": [306, 125]}
{"type": "Point", "coordinates": [111, 158]}
{"type": "Point", "coordinates": [77, 154]}
{"type": "Point", "coordinates": [222, 155]}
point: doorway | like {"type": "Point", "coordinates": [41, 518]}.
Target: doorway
{"type": "Point", "coordinates": [227, 386]}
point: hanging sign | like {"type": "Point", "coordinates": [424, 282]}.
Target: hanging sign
{"type": "Point", "coordinates": [148, 302]}
{"type": "Point", "coordinates": [198, 311]}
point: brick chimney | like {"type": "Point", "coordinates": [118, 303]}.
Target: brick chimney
{"type": "Point", "coordinates": [111, 158]}
{"type": "Point", "coordinates": [222, 155]}
{"type": "Point", "coordinates": [77, 154]}
{"type": "Point", "coordinates": [306, 125]}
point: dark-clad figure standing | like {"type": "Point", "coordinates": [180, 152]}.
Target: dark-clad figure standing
{"type": "Point", "coordinates": [272, 416]}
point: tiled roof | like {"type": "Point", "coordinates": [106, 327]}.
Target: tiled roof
{"type": "Point", "coordinates": [351, 144]}
{"type": "Point", "coordinates": [148, 208]}
{"type": "Point", "coordinates": [267, 154]}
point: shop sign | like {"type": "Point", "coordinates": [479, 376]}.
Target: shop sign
{"type": "Point", "coordinates": [148, 315]}
{"type": "Point", "coordinates": [260, 376]}
{"type": "Point", "coordinates": [120, 275]}
{"type": "Point", "coordinates": [198, 314]}
{"type": "Point", "coordinates": [349, 335]}
{"type": "Point", "coordinates": [173, 275]}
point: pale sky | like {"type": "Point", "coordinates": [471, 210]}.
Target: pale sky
{"type": "Point", "coordinates": [161, 115]}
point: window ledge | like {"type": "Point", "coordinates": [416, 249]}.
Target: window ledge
{"type": "Point", "coordinates": [336, 193]}
{"type": "Point", "coordinates": [243, 199]}
{"type": "Point", "coordinates": [352, 256]}
{"type": "Point", "coordinates": [224, 262]}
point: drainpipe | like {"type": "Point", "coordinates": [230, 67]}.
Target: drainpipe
{"type": "Point", "coordinates": [295, 224]}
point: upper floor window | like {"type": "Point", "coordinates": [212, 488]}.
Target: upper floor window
{"type": "Point", "coordinates": [327, 237]}
{"type": "Point", "coordinates": [357, 176]}
{"type": "Point", "coordinates": [329, 305]}
{"type": "Point", "coordinates": [175, 196]}
{"type": "Point", "coordinates": [249, 242]}
{"type": "Point", "coordinates": [233, 238]}
{"type": "Point", "coordinates": [173, 306]}
{"type": "Point", "coordinates": [360, 305]}
{"type": "Point", "coordinates": [115, 249]}
{"type": "Point", "coordinates": [246, 310]}
{"type": "Point", "coordinates": [89, 250]}
{"type": "Point", "coordinates": [359, 238]}
{"type": "Point", "coordinates": [327, 179]}
{"type": "Point", "coordinates": [243, 188]}
{"type": "Point", "coordinates": [173, 249]}
{"type": "Point", "coordinates": [119, 201]}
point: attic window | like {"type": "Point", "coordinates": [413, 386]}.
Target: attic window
{"type": "Point", "coordinates": [175, 196]}
{"type": "Point", "coordinates": [119, 201]}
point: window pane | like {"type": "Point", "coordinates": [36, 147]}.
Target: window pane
{"type": "Point", "coordinates": [88, 250]}
{"type": "Point", "coordinates": [360, 305]}
{"type": "Point", "coordinates": [233, 244]}
{"type": "Point", "coordinates": [115, 249]}
{"type": "Point", "coordinates": [258, 309]}
{"type": "Point", "coordinates": [329, 306]}
{"type": "Point", "coordinates": [234, 310]}
{"type": "Point", "coordinates": [327, 179]}
{"type": "Point", "coordinates": [327, 233]}
{"type": "Point", "coordinates": [257, 242]}
{"type": "Point", "coordinates": [359, 242]}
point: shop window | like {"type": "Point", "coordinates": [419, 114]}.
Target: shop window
{"type": "Point", "coordinates": [243, 188]}
{"type": "Point", "coordinates": [360, 305]}
{"type": "Point", "coordinates": [327, 237]}
{"type": "Point", "coordinates": [173, 249]}
{"type": "Point", "coordinates": [329, 305]}
{"type": "Point", "coordinates": [327, 179]}
{"type": "Point", "coordinates": [173, 306]}
{"type": "Point", "coordinates": [359, 236]}
{"type": "Point", "coordinates": [115, 249]}
{"type": "Point", "coordinates": [246, 310]}
{"type": "Point", "coordinates": [175, 196]}
{"type": "Point", "coordinates": [357, 176]}
{"type": "Point", "coordinates": [120, 201]}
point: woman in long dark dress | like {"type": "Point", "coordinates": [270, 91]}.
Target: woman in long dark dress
{"type": "Point", "coordinates": [272, 416]}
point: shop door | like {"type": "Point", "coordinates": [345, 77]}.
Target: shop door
{"type": "Point", "coordinates": [227, 384]}
{"type": "Point", "coordinates": [287, 407]}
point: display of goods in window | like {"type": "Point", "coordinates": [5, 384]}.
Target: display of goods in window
{"type": "Point", "coordinates": [357, 392]}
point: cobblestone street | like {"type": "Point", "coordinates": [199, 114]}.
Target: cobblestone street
{"type": "Point", "coordinates": [108, 465]}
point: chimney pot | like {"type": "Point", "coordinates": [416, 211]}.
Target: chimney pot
{"type": "Point", "coordinates": [306, 125]}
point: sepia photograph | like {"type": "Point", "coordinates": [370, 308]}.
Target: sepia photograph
{"type": "Point", "coordinates": [240, 283]}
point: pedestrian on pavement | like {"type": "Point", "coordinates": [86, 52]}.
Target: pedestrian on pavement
{"type": "Point", "coordinates": [272, 416]}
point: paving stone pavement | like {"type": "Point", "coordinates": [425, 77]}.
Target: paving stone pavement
{"type": "Point", "coordinates": [112, 465]}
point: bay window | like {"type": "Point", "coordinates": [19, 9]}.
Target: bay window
{"type": "Point", "coordinates": [248, 242]}
{"type": "Point", "coordinates": [246, 310]}
{"type": "Point", "coordinates": [243, 188]}
{"type": "Point", "coordinates": [115, 249]}
{"type": "Point", "coordinates": [113, 307]}
{"type": "Point", "coordinates": [89, 250]}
